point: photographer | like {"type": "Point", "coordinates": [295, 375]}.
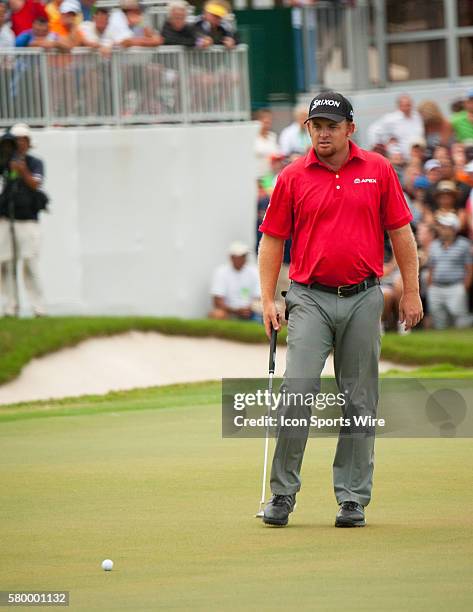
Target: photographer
{"type": "Point", "coordinates": [20, 202]}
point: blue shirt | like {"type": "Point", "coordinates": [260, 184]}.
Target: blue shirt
{"type": "Point", "coordinates": [27, 37]}
{"type": "Point", "coordinates": [24, 39]}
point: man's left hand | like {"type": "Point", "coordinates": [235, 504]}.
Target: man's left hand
{"type": "Point", "coordinates": [410, 309]}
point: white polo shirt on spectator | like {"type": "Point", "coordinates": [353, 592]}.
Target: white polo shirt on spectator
{"type": "Point", "coordinates": [294, 139]}
{"type": "Point", "coordinates": [265, 146]}
{"type": "Point", "coordinates": [7, 38]}
{"type": "Point", "coordinates": [239, 288]}
{"type": "Point", "coordinates": [405, 129]}
{"type": "Point", "coordinates": [118, 28]}
{"type": "Point", "coordinates": [91, 34]}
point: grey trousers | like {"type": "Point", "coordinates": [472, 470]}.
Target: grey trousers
{"type": "Point", "coordinates": [318, 322]}
{"type": "Point", "coordinates": [449, 304]}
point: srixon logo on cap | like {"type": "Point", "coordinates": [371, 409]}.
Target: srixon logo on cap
{"type": "Point", "coordinates": [325, 103]}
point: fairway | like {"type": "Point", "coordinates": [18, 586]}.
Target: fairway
{"type": "Point", "coordinates": [144, 478]}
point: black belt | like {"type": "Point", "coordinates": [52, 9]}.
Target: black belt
{"type": "Point", "coordinates": [344, 290]}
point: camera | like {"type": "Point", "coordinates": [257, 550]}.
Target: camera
{"type": "Point", "coordinates": [8, 150]}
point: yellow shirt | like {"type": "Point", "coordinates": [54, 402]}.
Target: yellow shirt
{"type": "Point", "coordinates": [54, 17]}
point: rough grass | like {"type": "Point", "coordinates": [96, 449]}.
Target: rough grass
{"type": "Point", "coordinates": [23, 339]}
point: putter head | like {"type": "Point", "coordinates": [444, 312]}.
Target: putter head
{"type": "Point", "coordinates": [259, 514]}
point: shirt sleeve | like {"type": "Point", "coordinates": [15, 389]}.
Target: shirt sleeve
{"type": "Point", "coordinates": [37, 169]}
{"type": "Point", "coordinates": [395, 212]}
{"type": "Point", "coordinates": [277, 221]}
{"type": "Point", "coordinates": [23, 40]}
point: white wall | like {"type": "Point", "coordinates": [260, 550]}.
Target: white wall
{"type": "Point", "coordinates": [141, 216]}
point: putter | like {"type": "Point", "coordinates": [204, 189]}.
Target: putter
{"type": "Point", "coordinates": [272, 363]}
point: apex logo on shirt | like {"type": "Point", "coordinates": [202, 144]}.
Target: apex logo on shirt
{"type": "Point", "coordinates": [364, 180]}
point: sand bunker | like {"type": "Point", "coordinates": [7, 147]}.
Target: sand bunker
{"type": "Point", "coordinates": [138, 359]}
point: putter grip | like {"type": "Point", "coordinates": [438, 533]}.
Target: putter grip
{"type": "Point", "coordinates": [272, 350]}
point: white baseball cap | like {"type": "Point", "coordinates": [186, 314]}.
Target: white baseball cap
{"type": "Point", "coordinates": [238, 249]}
{"type": "Point", "coordinates": [431, 164]}
{"type": "Point", "coordinates": [21, 130]}
{"type": "Point", "coordinates": [70, 6]}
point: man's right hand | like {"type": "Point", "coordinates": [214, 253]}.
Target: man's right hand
{"type": "Point", "coordinates": [270, 317]}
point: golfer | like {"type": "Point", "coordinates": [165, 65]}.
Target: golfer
{"type": "Point", "coordinates": [335, 203]}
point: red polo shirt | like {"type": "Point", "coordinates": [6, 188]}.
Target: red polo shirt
{"type": "Point", "coordinates": [336, 219]}
{"type": "Point", "coordinates": [22, 20]}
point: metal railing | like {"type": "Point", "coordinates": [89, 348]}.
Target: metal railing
{"type": "Point", "coordinates": [332, 45]}
{"type": "Point", "coordinates": [164, 85]}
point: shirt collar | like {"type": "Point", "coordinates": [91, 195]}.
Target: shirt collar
{"type": "Point", "coordinates": [355, 151]}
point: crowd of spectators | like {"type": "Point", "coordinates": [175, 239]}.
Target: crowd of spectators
{"type": "Point", "coordinates": [433, 158]}
{"type": "Point", "coordinates": [66, 24]}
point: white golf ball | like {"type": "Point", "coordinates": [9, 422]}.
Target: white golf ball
{"type": "Point", "coordinates": [107, 565]}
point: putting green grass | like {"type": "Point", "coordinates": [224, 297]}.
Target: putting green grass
{"type": "Point", "coordinates": [144, 478]}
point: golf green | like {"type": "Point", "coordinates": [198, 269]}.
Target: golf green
{"type": "Point", "coordinates": [145, 479]}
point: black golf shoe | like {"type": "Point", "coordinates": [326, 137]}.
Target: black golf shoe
{"type": "Point", "coordinates": [278, 509]}
{"type": "Point", "coordinates": [350, 514]}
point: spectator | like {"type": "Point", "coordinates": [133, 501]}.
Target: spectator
{"type": "Point", "coordinates": [418, 150]}
{"type": "Point", "coordinates": [54, 14]}
{"type": "Point", "coordinates": [405, 125]}
{"type": "Point", "coordinates": [447, 173]}
{"type": "Point", "coordinates": [96, 33]}
{"type": "Point", "coordinates": [23, 13]}
{"type": "Point", "coordinates": [459, 162]}
{"type": "Point", "coordinates": [412, 171]}
{"type": "Point", "coordinates": [432, 171]}
{"type": "Point", "coordinates": [266, 143]}
{"type": "Point", "coordinates": [457, 105]}
{"type": "Point", "coordinates": [38, 36]}
{"type": "Point", "coordinates": [451, 271]}
{"type": "Point", "coordinates": [235, 287]}
{"type": "Point", "coordinates": [176, 30]}
{"type": "Point", "coordinates": [7, 38]}
{"type": "Point", "coordinates": [268, 181]}
{"type": "Point", "coordinates": [438, 130]}
{"type": "Point", "coordinates": [447, 200]}
{"type": "Point", "coordinates": [295, 138]}
{"type": "Point", "coordinates": [67, 29]}
{"type": "Point", "coordinates": [462, 122]}
{"type": "Point", "coordinates": [129, 26]}
{"type": "Point", "coordinates": [419, 188]}
{"type": "Point", "coordinates": [441, 153]}
{"type": "Point", "coordinates": [211, 29]}
{"type": "Point", "coordinates": [87, 9]}
{"type": "Point", "coordinates": [469, 203]}
{"type": "Point", "coordinates": [24, 176]}
{"type": "Point", "coordinates": [396, 157]}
